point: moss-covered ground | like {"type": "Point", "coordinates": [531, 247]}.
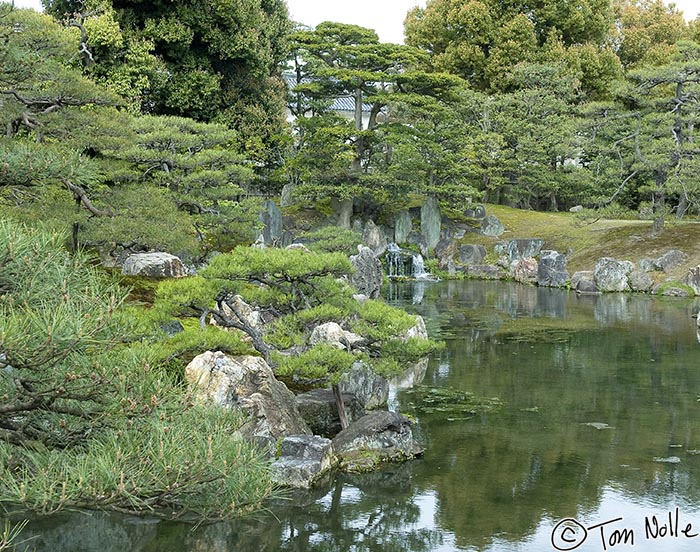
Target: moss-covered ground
{"type": "Point", "coordinates": [586, 239]}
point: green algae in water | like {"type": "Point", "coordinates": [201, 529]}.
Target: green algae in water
{"type": "Point", "coordinates": [451, 404]}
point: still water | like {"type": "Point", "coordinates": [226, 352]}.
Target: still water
{"type": "Point", "coordinates": [599, 422]}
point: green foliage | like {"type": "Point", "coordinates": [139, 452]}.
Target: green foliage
{"type": "Point", "coordinates": [324, 362]}
{"type": "Point", "coordinates": [88, 421]}
{"type": "Point", "coordinates": [295, 328]}
{"type": "Point", "coordinates": [186, 465]}
{"type": "Point", "coordinates": [331, 239]}
{"type": "Point", "coordinates": [380, 321]}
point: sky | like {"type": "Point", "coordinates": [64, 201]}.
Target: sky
{"type": "Point", "coordinates": [384, 16]}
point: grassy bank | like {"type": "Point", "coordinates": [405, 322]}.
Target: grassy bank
{"type": "Point", "coordinates": [586, 240]}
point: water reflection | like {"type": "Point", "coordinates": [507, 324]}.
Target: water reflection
{"type": "Point", "coordinates": [596, 390]}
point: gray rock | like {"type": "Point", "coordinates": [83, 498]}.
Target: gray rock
{"type": "Point", "coordinates": [154, 265]}
{"type": "Point", "coordinates": [670, 260]}
{"type": "Point", "coordinates": [368, 275]}
{"type": "Point", "coordinates": [576, 209]}
{"type": "Point", "coordinates": [287, 197]}
{"type": "Point", "coordinates": [491, 226]}
{"type": "Point", "coordinates": [640, 280]}
{"type": "Point", "coordinates": [524, 270]}
{"type": "Point", "coordinates": [485, 272]}
{"type": "Point", "coordinates": [430, 222]}
{"type": "Point", "coordinates": [246, 383]}
{"type": "Point", "coordinates": [172, 327]}
{"type": "Point", "coordinates": [320, 412]}
{"type": "Point", "coordinates": [370, 389]}
{"type": "Point", "coordinates": [476, 212]}
{"type": "Point", "coordinates": [304, 459]}
{"type": "Point", "coordinates": [445, 251]}
{"type": "Point", "coordinates": [612, 275]}
{"type": "Point", "coordinates": [646, 265]}
{"type": "Point", "coordinates": [522, 248]}
{"type": "Point", "coordinates": [376, 438]}
{"type": "Point", "coordinates": [692, 279]}
{"type": "Point", "coordinates": [374, 238]}
{"type": "Point", "coordinates": [472, 254]}
{"type": "Point", "coordinates": [332, 334]}
{"type": "Point", "coordinates": [671, 290]}
{"type": "Point", "coordinates": [344, 211]}
{"type": "Point", "coordinates": [298, 247]}
{"type": "Point", "coordinates": [584, 282]}
{"type": "Point", "coordinates": [403, 226]}
{"type": "Point", "coordinates": [551, 270]}
{"type": "Point", "coordinates": [419, 330]}
{"type": "Point", "coordinates": [271, 218]}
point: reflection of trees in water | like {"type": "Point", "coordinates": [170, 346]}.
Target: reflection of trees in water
{"type": "Point", "coordinates": [499, 474]}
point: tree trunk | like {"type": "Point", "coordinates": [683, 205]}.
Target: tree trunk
{"type": "Point", "coordinates": [341, 406]}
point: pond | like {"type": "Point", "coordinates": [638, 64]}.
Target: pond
{"type": "Point", "coordinates": [593, 415]}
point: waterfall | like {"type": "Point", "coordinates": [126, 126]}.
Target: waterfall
{"type": "Point", "coordinates": [405, 264]}
{"type": "Point", "coordinates": [418, 266]}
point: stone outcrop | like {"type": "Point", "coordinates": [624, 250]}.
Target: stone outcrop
{"type": "Point", "coordinates": [374, 238]}
{"type": "Point", "coordinates": [430, 222]}
{"type": "Point", "coordinates": [376, 438]}
{"type": "Point", "coordinates": [303, 460]}
{"type": "Point", "coordinates": [551, 269]}
{"type": "Point", "coordinates": [370, 389]}
{"type": "Point", "coordinates": [612, 275]}
{"type": "Point", "coordinates": [368, 275]}
{"type": "Point", "coordinates": [320, 412]}
{"type": "Point", "coordinates": [154, 265]}
{"type": "Point", "coordinates": [403, 226]}
{"type": "Point", "coordinates": [247, 383]}
{"type": "Point", "coordinates": [492, 226]}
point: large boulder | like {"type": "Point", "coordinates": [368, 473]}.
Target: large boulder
{"type": "Point", "coordinates": [374, 238]}
{"type": "Point", "coordinates": [233, 304]}
{"type": "Point", "coordinates": [551, 270]}
{"type": "Point", "coordinates": [583, 281]}
{"type": "Point", "coordinates": [154, 265]}
{"type": "Point", "coordinates": [612, 275]}
{"type": "Point", "coordinates": [521, 248]}
{"type": "Point", "coordinates": [271, 218]}
{"type": "Point", "coordinates": [492, 226]}
{"type": "Point", "coordinates": [476, 212]}
{"type": "Point", "coordinates": [430, 222]}
{"type": "Point", "coordinates": [331, 333]}
{"type": "Point", "coordinates": [670, 260]}
{"type": "Point", "coordinates": [417, 330]}
{"type": "Point", "coordinates": [370, 389]}
{"type": "Point", "coordinates": [524, 270]}
{"type": "Point", "coordinates": [368, 275]}
{"type": "Point", "coordinates": [640, 280]}
{"type": "Point", "coordinates": [376, 438]}
{"type": "Point", "coordinates": [320, 412]}
{"type": "Point", "coordinates": [472, 254]}
{"type": "Point", "coordinates": [445, 251]}
{"type": "Point", "coordinates": [692, 279]}
{"type": "Point", "coordinates": [303, 460]}
{"type": "Point", "coordinates": [246, 383]}
{"type": "Point", "coordinates": [403, 226]}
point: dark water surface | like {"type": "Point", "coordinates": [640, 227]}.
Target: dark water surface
{"type": "Point", "coordinates": [599, 421]}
